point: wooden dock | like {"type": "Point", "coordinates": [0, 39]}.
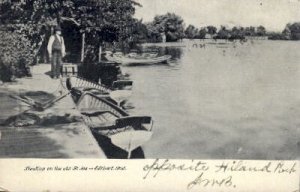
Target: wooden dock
{"type": "Point", "coordinates": [54, 138]}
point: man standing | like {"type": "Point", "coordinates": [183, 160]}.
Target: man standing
{"type": "Point", "coordinates": [56, 49]}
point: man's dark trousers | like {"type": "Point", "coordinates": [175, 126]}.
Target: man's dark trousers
{"type": "Point", "coordinates": [56, 63]}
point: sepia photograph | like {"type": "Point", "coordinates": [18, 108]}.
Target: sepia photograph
{"type": "Point", "coordinates": [147, 79]}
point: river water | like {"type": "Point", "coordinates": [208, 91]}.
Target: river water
{"type": "Point", "coordinates": [222, 100]}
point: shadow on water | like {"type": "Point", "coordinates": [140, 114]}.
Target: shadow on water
{"type": "Point", "coordinates": [148, 65]}
{"type": "Point", "coordinates": [113, 152]}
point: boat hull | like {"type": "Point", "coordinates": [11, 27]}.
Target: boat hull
{"type": "Point", "coordinates": [107, 121]}
{"type": "Point", "coordinates": [138, 61]}
{"type": "Point", "coordinates": [77, 86]}
{"type": "Point", "coordinates": [113, 152]}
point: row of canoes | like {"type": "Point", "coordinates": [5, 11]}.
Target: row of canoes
{"type": "Point", "coordinates": [101, 112]}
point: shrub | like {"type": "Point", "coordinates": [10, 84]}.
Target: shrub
{"type": "Point", "coordinates": [16, 55]}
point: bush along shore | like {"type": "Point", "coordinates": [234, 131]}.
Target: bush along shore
{"type": "Point", "coordinates": [16, 54]}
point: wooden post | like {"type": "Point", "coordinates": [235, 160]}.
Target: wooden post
{"type": "Point", "coordinates": [82, 46]}
{"type": "Point", "coordinates": [100, 53]}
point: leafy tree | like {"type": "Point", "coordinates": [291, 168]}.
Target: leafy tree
{"type": "Point", "coordinates": [211, 30]}
{"type": "Point", "coordinates": [276, 36]}
{"type": "Point", "coordinates": [139, 33]}
{"type": "Point", "coordinates": [261, 31]}
{"type": "Point", "coordinates": [250, 31]}
{"type": "Point", "coordinates": [237, 33]}
{"type": "Point", "coordinates": [191, 32]}
{"type": "Point", "coordinates": [293, 30]}
{"type": "Point", "coordinates": [287, 32]}
{"type": "Point", "coordinates": [223, 33]}
{"type": "Point", "coordinates": [170, 24]}
{"type": "Point", "coordinates": [202, 33]}
{"type": "Point", "coordinates": [153, 33]}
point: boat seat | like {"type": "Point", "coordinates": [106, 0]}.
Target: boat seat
{"type": "Point", "coordinates": [93, 112]}
{"type": "Point", "coordinates": [100, 120]}
{"type": "Point", "coordinates": [135, 121]}
{"type": "Point", "coordinates": [122, 85]}
{"type": "Point", "coordinates": [101, 126]}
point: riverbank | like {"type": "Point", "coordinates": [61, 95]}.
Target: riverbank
{"type": "Point", "coordinates": [59, 132]}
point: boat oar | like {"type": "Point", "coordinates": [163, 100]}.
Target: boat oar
{"type": "Point", "coordinates": [30, 102]}
{"type": "Point", "coordinates": [51, 102]}
{"type": "Point", "coordinates": [21, 99]}
{"type": "Point", "coordinates": [37, 105]}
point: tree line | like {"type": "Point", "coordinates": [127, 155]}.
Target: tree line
{"type": "Point", "coordinates": [290, 32]}
{"type": "Point", "coordinates": [170, 27]}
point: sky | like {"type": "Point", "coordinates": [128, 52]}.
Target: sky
{"type": "Point", "coordinates": [273, 14]}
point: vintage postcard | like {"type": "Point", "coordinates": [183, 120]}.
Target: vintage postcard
{"type": "Point", "coordinates": [149, 95]}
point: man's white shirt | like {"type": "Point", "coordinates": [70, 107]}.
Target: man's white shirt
{"type": "Point", "coordinates": [61, 40]}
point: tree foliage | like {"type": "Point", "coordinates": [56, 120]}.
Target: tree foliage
{"type": "Point", "coordinates": [237, 32]}
{"type": "Point", "coordinates": [15, 54]}
{"type": "Point", "coordinates": [261, 31]}
{"type": "Point", "coordinates": [211, 30]}
{"type": "Point", "coordinates": [169, 24]}
{"type": "Point", "coordinates": [101, 20]}
{"type": "Point", "coordinates": [292, 31]}
{"type": "Point", "coordinates": [223, 33]}
{"type": "Point", "coordinates": [191, 32]}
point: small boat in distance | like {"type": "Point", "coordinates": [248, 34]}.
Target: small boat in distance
{"type": "Point", "coordinates": [113, 124]}
{"type": "Point", "coordinates": [134, 59]}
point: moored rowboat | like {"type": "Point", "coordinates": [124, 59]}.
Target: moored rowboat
{"type": "Point", "coordinates": [138, 60]}
{"type": "Point", "coordinates": [108, 120]}
{"type": "Point", "coordinates": [120, 90]}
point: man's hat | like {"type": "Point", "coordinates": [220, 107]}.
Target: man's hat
{"type": "Point", "coordinates": [57, 28]}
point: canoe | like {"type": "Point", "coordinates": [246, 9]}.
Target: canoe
{"type": "Point", "coordinates": [138, 60]}
{"type": "Point", "coordinates": [119, 92]}
{"type": "Point", "coordinates": [108, 120]}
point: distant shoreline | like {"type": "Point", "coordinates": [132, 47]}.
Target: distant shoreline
{"type": "Point", "coordinates": [180, 43]}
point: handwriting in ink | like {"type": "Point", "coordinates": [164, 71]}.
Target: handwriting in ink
{"type": "Point", "coordinates": [165, 165]}
{"type": "Point", "coordinates": [240, 166]}
{"type": "Point", "coordinates": [201, 181]}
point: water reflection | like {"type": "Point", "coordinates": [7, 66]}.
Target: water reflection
{"type": "Point", "coordinates": [219, 99]}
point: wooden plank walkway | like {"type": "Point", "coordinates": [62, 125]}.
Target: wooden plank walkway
{"type": "Point", "coordinates": [56, 137]}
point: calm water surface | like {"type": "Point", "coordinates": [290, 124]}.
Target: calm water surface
{"type": "Point", "coordinates": [227, 100]}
